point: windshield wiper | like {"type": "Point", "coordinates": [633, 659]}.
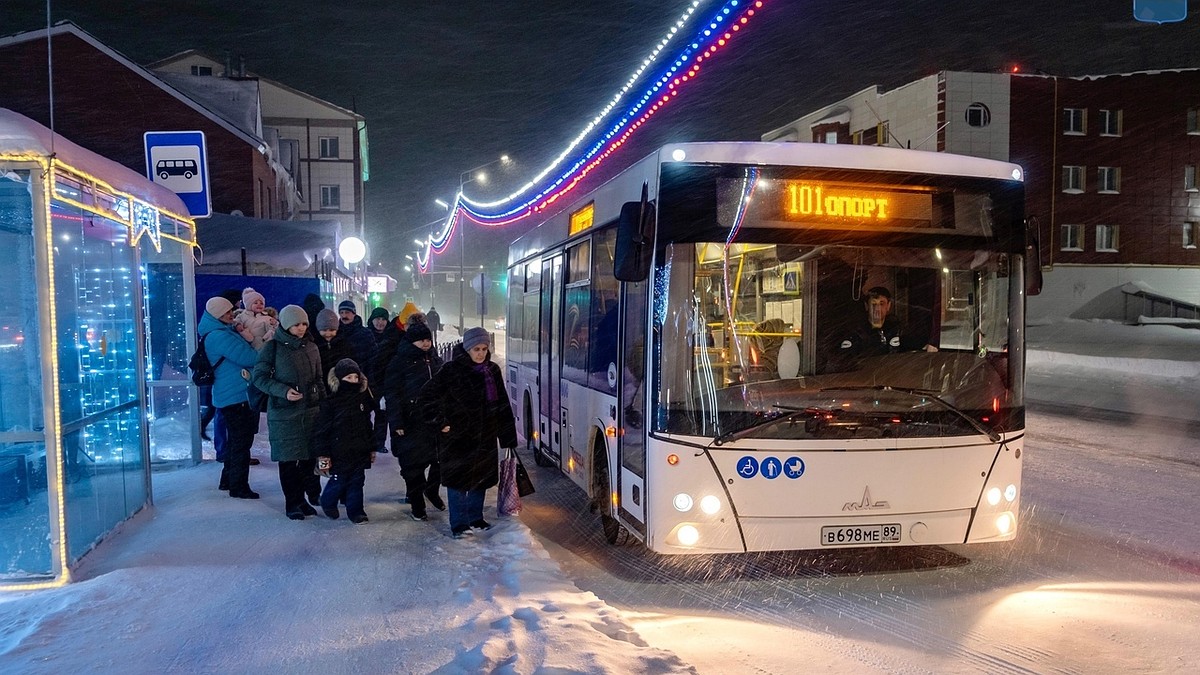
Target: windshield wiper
{"type": "Point", "coordinates": [782, 412]}
{"type": "Point", "coordinates": [992, 434]}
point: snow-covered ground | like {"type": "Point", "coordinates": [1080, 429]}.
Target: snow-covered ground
{"type": "Point", "coordinates": [205, 583]}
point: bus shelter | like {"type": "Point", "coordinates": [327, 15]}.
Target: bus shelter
{"type": "Point", "coordinates": [96, 310]}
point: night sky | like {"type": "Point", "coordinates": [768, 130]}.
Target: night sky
{"type": "Point", "coordinates": [446, 86]}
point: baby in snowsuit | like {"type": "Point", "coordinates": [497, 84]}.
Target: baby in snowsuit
{"type": "Point", "coordinates": [253, 320]}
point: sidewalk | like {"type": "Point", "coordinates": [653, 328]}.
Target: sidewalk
{"type": "Point", "coordinates": [1150, 370]}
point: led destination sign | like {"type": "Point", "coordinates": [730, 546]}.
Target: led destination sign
{"type": "Point", "coordinates": [850, 205]}
{"type": "Point", "coordinates": [843, 204]}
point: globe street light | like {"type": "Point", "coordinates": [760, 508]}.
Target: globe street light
{"type": "Point", "coordinates": [352, 250]}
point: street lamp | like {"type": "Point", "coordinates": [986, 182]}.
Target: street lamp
{"type": "Point", "coordinates": [353, 250]}
{"type": "Point", "coordinates": [463, 179]}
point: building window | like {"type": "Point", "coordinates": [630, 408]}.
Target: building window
{"type": "Point", "coordinates": [1110, 179]}
{"type": "Point", "coordinates": [1189, 178]}
{"type": "Point", "coordinates": [882, 134]}
{"type": "Point", "coordinates": [1072, 179]}
{"type": "Point", "coordinates": [1189, 235]}
{"type": "Point", "coordinates": [978, 115]}
{"type": "Point", "coordinates": [329, 147]}
{"type": "Point", "coordinates": [1072, 238]}
{"type": "Point", "coordinates": [831, 137]}
{"type": "Point", "coordinates": [1193, 121]}
{"type": "Point", "coordinates": [331, 197]}
{"type": "Point", "coordinates": [856, 138]}
{"type": "Point", "coordinates": [1110, 122]}
{"type": "Point", "coordinates": [1075, 121]}
{"type": "Point", "coordinates": [202, 71]}
{"type": "Point", "coordinates": [1106, 238]}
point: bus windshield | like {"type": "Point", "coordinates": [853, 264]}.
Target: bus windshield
{"type": "Point", "coordinates": [834, 341]}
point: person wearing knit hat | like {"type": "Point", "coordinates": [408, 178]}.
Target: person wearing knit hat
{"type": "Point", "coordinates": [327, 320]}
{"type": "Point", "coordinates": [218, 306]}
{"type": "Point", "coordinates": [253, 300]}
{"type": "Point", "coordinates": [347, 310]}
{"type": "Point", "coordinates": [417, 332]}
{"type": "Point", "coordinates": [331, 343]}
{"type": "Point", "coordinates": [289, 370]}
{"type": "Point", "coordinates": [378, 321]}
{"type": "Point", "coordinates": [467, 401]}
{"type": "Point", "coordinates": [253, 322]}
{"type": "Point", "coordinates": [292, 315]}
{"type": "Point", "coordinates": [230, 354]}
{"type": "Point", "coordinates": [414, 440]}
{"type": "Point", "coordinates": [475, 336]}
{"type": "Point", "coordinates": [344, 440]}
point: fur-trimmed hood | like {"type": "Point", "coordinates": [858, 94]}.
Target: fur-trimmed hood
{"type": "Point", "coordinates": [334, 382]}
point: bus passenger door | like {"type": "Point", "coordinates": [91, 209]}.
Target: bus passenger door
{"type": "Point", "coordinates": [549, 359]}
{"type": "Point", "coordinates": [632, 416]}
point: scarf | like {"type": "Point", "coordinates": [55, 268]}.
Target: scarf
{"type": "Point", "coordinates": [492, 394]}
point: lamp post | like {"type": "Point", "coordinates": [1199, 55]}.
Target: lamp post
{"type": "Point", "coordinates": [463, 179]}
{"type": "Point", "coordinates": [424, 244]}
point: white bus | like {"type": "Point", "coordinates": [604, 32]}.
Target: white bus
{"type": "Point", "coordinates": [692, 344]}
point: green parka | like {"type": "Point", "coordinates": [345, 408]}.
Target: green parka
{"type": "Point", "coordinates": [286, 362]}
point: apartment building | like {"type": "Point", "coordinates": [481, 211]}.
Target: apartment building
{"type": "Point", "coordinates": [1110, 162]}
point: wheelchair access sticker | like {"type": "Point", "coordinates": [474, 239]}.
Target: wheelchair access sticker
{"type": "Point", "coordinates": [770, 467]}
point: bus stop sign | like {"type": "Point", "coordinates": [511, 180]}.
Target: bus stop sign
{"type": "Point", "coordinates": [178, 161]}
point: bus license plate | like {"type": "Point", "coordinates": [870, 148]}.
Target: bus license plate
{"type": "Point", "coordinates": [860, 534]}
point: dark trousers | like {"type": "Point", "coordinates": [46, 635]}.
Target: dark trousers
{"type": "Point", "coordinates": [381, 431]}
{"type": "Point", "coordinates": [418, 485]}
{"type": "Point", "coordinates": [466, 507]}
{"type": "Point", "coordinates": [220, 434]}
{"type": "Point", "coordinates": [346, 488]}
{"type": "Point", "coordinates": [294, 479]}
{"type": "Point", "coordinates": [240, 425]}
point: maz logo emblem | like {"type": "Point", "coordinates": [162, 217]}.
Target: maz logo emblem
{"type": "Point", "coordinates": [865, 504]}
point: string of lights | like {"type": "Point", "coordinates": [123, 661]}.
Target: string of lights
{"type": "Point", "coordinates": [725, 23]}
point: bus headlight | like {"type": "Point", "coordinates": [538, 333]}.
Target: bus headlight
{"type": "Point", "coordinates": [1010, 492]}
{"type": "Point", "coordinates": [688, 535]}
{"type": "Point", "coordinates": [710, 504]}
{"type": "Point", "coordinates": [993, 496]}
{"type": "Point", "coordinates": [1005, 522]}
{"type": "Point", "coordinates": [683, 502]}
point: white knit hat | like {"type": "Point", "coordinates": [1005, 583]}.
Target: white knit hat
{"type": "Point", "coordinates": [217, 306]}
{"type": "Point", "coordinates": [249, 295]}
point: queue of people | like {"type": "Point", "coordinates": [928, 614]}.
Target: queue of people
{"type": "Point", "coordinates": [340, 392]}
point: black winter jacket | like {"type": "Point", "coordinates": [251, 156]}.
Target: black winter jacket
{"type": "Point", "coordinates": [456, 397]}
{"type": "Point", "coordinates": [343, 429]}
{"type": "Point", "coordinates": [410, 369]}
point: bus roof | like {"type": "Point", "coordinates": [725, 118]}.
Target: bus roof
{"type": "Point", "coordinates": [840, 156]}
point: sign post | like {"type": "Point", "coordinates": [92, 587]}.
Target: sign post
{"type": "Point", "coordinates": [178, 161]}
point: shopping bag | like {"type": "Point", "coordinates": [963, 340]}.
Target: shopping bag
{"type": "Point", "coordinates": [524, 485]}
{"type": "Point", "coordinates": [508, 499]}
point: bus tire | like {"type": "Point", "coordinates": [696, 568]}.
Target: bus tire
{"type": "Point", "coordinates": [614, 532]}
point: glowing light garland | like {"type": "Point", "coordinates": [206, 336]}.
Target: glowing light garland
{"type": "Point", "coordinates": [725, 23]}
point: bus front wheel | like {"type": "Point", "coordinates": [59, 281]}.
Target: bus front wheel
{"type": "Point", "coordinates": [614, 532]}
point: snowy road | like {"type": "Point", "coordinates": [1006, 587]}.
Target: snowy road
{"type": "Point", "coordinates": [1104, 577]}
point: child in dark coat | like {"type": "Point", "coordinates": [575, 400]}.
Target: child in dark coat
{"type": "Point", "coordinates": [344, 441]}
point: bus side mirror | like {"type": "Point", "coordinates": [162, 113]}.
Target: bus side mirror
{"type": "Point", "coordinates": [1033, 257]}
{"type": "Point", "coordinates": [635, 240]}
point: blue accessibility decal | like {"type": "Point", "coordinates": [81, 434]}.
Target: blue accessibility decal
{"type": "Point", "coordinates": [747, 467]}
{"type": "Point", "coordinates": [770, 467]}
{"type": "Point", "coordinates": [794, 467]}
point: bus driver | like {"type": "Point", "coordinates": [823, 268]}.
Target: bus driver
{"type": "Point", "coordinates": [878, 333]}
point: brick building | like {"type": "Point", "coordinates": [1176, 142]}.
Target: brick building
{"type": "Point", "coordinates": [1111, 171]}
{"type": "Point", "coordinates": [105, 103]}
